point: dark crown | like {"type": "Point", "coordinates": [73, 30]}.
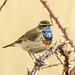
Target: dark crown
{"type": "Point", "coordinates": [43, 24]}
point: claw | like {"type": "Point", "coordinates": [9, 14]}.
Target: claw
{"type": "Point", "coordinates": [39, 63]}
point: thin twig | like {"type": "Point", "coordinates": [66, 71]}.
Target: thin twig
{"type": "Point", "coordinates": [58, 23]}
{"type": "Point", "coordinates": [72, 60]}
{"type": "Point", "coordinates": [51, 20]}
{"type": "Point", "coordinates": [66, 61]}
{"type": "Point", "coordinates": [48, 66]}
{"type": "Point", "coordinates": [72, 71]}
{"type": "Point", "coordinates": [3, 5]}
{"type": "Point", "coordinates": [59, 59]}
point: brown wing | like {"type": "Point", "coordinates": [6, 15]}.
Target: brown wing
{"type": "Point", "coordinates": [30, 35]}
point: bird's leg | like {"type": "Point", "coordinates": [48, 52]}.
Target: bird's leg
{"type": "Point", "coordinates": [34, 58]}
{"type": "Point", "coordinates": [31, 56]}
{"type": "Point", "coordinates": [36, 61]}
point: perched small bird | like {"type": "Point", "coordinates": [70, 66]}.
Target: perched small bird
{"type": "Point", "coordinates": [35, 40]}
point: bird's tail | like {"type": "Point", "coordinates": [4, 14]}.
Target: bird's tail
{"type": "Point", "coordinates": [12, 44]}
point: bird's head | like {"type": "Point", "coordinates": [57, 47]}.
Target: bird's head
{"type": "Point", "coordinates": [43, 24]}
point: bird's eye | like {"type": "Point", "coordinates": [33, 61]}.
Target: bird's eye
{"type": "Point", "coordinates": [42, 26]}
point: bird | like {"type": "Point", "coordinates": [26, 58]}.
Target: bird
{"type": "Point", "coordinates": [36, 40]}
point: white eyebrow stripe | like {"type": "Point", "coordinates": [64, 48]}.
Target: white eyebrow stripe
{"type": "Point", "coordinates": [43, 24]}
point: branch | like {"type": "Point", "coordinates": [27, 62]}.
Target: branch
{"type": "Point", "coordinates": [51, 66]}
{"type": "Point", "coordinates": [45, 55]}
{"type": "Point", "coordinates": [48, 66]}
{"type": "Point", "coordinates": [3, 5]}
{"type": "Point", "coordinates": [66, 61]}
{"type": "Point", "coordinates": [59, 59]}
{"type": "Point", "coordinates": [72, 71]}
{"type": "Point", "coordinates": [58, 23]}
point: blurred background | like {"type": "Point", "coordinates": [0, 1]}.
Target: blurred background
{"type": "Point", "coordinates": [19, 16]}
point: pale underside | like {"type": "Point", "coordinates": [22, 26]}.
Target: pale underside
{"type": "Point", "coordinates": [34, 46]}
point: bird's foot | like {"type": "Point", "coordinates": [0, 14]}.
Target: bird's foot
{"type": "Point", "coordinates": [39, 63]}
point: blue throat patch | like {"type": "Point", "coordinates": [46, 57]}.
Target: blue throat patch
{"type": "Point", "coordinates": [47, 33]}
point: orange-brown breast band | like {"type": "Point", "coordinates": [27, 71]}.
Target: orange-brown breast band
{"type": "Point", "coordinates": [46, 42]}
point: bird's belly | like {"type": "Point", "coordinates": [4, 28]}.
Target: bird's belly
{"type": "Point", "coordinates": [34, 47]}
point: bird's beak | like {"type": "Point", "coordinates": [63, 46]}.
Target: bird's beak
{"type": "Point", "coordinates": [50, 25]}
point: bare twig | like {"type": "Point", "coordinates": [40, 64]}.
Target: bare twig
{"type": "Point", "coordinates": [66, 61]}
{"type": "Point", "coordinates": [51, 20]}
{"type": "Point", "coordinates": [72, 71]}
{"type": "Point", "coordinates": [58, 23]}
{"type": "Point", "coordinates": [48, 66]}
{"type": "Point", "coordinates": [59, 58]}
{"type": "Point", "coordinates": [3, 5]}
{"type": "Point", "coordinates": [72, 60]}
{"type": "Point", "coordinates": [45, 55]}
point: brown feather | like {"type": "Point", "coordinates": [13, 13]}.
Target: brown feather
{"type": "Point", "coordinates": [12, 44]}
{"type": "Point", "coordinates": [30, 35]}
